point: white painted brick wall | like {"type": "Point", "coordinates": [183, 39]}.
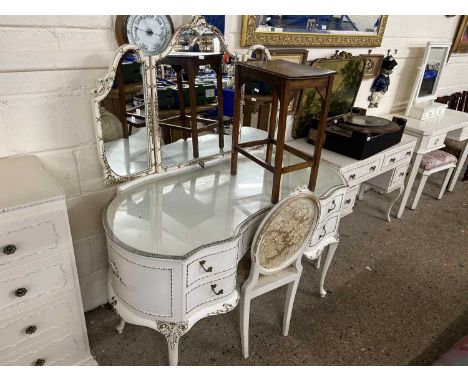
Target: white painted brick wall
{"type": "Point", "coordinates": [48, 70]}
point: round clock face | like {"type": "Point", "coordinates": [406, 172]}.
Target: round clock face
{"type": "Point", "coordinates": [152, 33]}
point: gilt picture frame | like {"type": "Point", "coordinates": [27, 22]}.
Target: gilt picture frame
{"type": "Point", "coordinates": [460, 43]}
{"type": "Point", "coordinates": [251, 36]}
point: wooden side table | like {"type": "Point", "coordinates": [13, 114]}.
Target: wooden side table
{"type": "Point", "coordinates": [189, 126]}
{"type": "Point", "coordinates": [287, 79]}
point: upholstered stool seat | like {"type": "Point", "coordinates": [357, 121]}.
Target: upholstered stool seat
{"type": "Point", "coordinates": [433, 162]}
{"type": "Point", "coordinates": [436, 159]}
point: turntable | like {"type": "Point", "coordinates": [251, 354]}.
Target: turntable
{"type": "Point", "coordinates": [349, 130]}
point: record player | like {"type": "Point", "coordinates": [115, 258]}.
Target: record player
{"type": "Point", "coordinates": [349, 130]}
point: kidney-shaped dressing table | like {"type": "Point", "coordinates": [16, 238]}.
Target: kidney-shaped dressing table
{"type": "Point", "coordinates": [174, 241]}
{"type": "Point", "coordinates": [178, 227]}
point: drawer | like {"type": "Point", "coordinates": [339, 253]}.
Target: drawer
{"type": "Point", "coordinates": [38, 323]}
{"type": "Point", "coordinates": [399, 175]}
{"type": "Point", "coordinates": [32, 238]}
{"type": "Point", "coordinates": [210, 292]}
{"type": "Point", "coordinates": [33, 283]}
{"type": "Point", "coordinates": [212, 264]}
{"type": "Point", "coordinates": [328, 228]}
{"type": "Point", "coordinates": [436, 142]}
{"type": "Point", "coordinates": [331, 206]}
{"type": "Point", "coordinates": [66, 348]}
{"type": "Point", "coordinates": [359, 174]}
{"type": "Point", "coordinates": [144, 283]}
{"type": "Point", "coordinates": [390, 160]}
{"type": "Point", "coordinates": [350, 199]}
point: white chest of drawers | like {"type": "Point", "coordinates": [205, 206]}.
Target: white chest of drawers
{"type": "Point", "coordinates": [41, 312]}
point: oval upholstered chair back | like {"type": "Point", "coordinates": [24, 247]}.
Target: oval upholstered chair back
{"type": "Point", "coordinates": [285, 231]}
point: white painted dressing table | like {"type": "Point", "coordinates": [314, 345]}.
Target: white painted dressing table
{"type": "Point", "coordinates": [174, 240]}
{"type": "Point", "coordinates": [431, 134]}
{"type": "Point", "coordinates": [385, 170]}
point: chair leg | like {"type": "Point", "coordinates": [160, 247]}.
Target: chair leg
{"type": "Point", "coordinates": [422, 183]}
{"type": "Point", "coordinates": [291, 294]}
{"type": "Point", "coordinates": [244, 324]}
{"type": "Point", "coordinates": [446, 180]}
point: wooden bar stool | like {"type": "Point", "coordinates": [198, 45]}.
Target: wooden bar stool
{"type": "Point", "coordinates": [433, 162]}
{"type": "Point", "coordinates": [190, 62]}
{"type": "Point", "coordinates": [287, 79]}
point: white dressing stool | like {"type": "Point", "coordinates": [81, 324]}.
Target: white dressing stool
{"type": "Point", "coordinates": [433, 162]}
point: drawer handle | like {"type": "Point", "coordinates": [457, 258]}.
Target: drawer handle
{"type": "Point", "coordinates": [347, 201]}
{"type": "Point", "coordinates": [324, 232]}
{"type": "Point", "coordinates": [352, 176]}
{"type": "Point", "coordinates": [402, 173]}
{"type": "Point", "coordinates": [408, 153]}
{"type": "Point", "coordinates": [392, 160]}
{"type": "Point", "coordinates": [39, 362]}
{"type": "Point", "coordinates": [436, 141]}
{"type": "Point", "coordinates": [9, 249]}
{"type": "Point", "coordinates": [202, 264]}
{"type": "Point", "coordinates": [333, 207]}
{"type": "Point", "coordinates": [31, 329]}
{"type": "Point", "coordinates": [373, 168]}
{"type": "Point", "coordinates": [213, 287]}
{"type": "Point", "coordinates": [20, 292]}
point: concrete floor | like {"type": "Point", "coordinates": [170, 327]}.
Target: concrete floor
{"type": "Point", "coordinates": [398, 296]}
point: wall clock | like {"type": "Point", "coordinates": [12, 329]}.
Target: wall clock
{"type": "Point", "coordinates": [152, 33]}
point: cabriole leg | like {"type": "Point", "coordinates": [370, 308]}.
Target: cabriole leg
{"type": "Point", "coordinates": [326, 264]}
{"type": "Point", "coordinates": [172, 331]}
{"type": "Point", "coordinates": [393, 202]}
{"type": "Point", "coordinates": [120, 326]}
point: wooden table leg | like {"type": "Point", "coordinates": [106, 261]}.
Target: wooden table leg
{"type": "Point", "coordinates": [219, 86]}
{"type": "Point", "coordinates": [236, 121]}
{"type": "Point", "coordinates": [409, 183]}
{"type": "Point", "coordinates": [193, 110]}
{"type": "Point", "coordinates": [461, 162]}
{"type": "Point", "coordinates": [271, 127]}
{"type": "Point", "coordinates": [275, 193]}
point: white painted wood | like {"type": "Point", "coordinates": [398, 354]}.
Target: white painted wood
{"type": "Point", "coordinates": [431, 134]}
{"type": "Point", "coordinates": [39, 288]}
{"type": "Point", "coordinates": [263, 279]}
{"type": "Point", "coordinates": [380, 166]}
{"type": "Point", "coordinates": [425, 175]}
{"type": "Point", "coordinates": [461, 161]}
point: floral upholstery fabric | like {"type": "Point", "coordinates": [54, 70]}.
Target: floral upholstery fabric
{"type": "Point", "coordinates": [285, 232]}
{"type": "Point", "coordinates": [436, 159]}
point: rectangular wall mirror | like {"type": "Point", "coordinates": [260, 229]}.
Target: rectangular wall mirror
{"type": "Point", "coordinates": [313, 30]}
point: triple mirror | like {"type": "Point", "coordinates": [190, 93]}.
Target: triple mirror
{"type": "Point", "coordinates": [156, 112]}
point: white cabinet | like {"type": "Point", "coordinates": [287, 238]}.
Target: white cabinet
{"type": "Point", "coordinates": [41, 312]}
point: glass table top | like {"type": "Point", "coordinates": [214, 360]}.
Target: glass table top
{"type": "Point", "coordinates": [173, 215]}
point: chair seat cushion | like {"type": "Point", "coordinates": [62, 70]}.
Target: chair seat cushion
{"type": "Point", "coordinates": [436, 159]}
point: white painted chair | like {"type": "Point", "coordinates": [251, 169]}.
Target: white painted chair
{"type": "Point", "coordinates": [276, 254]}
{"type": "Point", "coordinates": [431, 163]}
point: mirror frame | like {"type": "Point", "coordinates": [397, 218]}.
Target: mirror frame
{"type": "Point", "coordinates": [249, 36]}
{"type": "Point", "coordinates": [199, 25]}
{"type": "Point", "coordinates": [415, 99]}
{"type": "Point", "coordinates": [103, 88]}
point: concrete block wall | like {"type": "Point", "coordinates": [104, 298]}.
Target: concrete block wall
{"type": "Point", "coordinates": [48, 70]}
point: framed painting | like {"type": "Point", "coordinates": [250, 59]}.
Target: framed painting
{"type": "Point", "coordinates": [373, 64]}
